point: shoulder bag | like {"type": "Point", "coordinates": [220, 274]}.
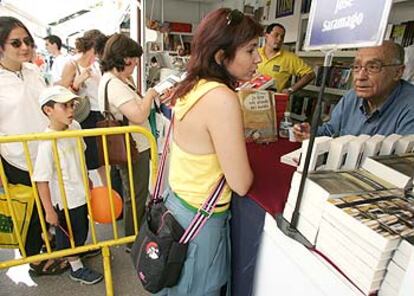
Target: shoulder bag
{"type": "Point", "coordinates": [160, 248]}
{"type": "Point", "coordinates": [117, 151]}
{"type": "Point", "coordinates": [84, 104]}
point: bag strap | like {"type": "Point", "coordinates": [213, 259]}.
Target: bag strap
{"type": "Point", "coordinates": [106, 113]}
{"type": "Point", "coordinates": [106, 102]}
{"type": "Point", "coordinates": [204, 212]}
{"type": "Point", "coordinates": [78, 71]}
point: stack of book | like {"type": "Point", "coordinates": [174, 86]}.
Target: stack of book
{"type": "Point", "coordinates": [259, 81]}
{"type": "Point", "coordinates": [405, 145]}
{"type": "Point", "coordinates": [399, 277]}
{"type": "Point", "coordinates": [359, 233]}
{"type": "Point", "coordinates": [338, 152]}
{"type": "Point", "coordinates": [395, 169]}
{"type": "Point", "coordinates": [319, 187]}
{"type": "Point", "coordinates": [319, 154]}
{"type": "Point", "coordinates": [355, 151]}
{"type": "Point", "coordinates": [348, 152]}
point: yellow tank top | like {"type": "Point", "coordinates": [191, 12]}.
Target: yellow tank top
{"type": "Point", "coordinates": [193, 177]}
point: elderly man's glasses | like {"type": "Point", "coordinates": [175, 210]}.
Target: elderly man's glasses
{"type": "Point", "coordinates": [234, 17]}
{"type": "Point", "coordinates": [371, 67]}
{"type": "Point", "coordinates": [17, 43]}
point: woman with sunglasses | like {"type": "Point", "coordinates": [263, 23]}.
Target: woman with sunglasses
{"type": "Point", "coordinates": [208, 142]}
{"type": "Point", "coordinates": [20, 86]}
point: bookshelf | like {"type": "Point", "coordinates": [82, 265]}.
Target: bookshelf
{"type": "Point", "coordinates": [328, 90]}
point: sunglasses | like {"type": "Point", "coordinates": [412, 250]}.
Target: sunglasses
{"type": "Point", "coordinates": [234, 17]}
{"type": "Point", "coordinates": [17, 43]}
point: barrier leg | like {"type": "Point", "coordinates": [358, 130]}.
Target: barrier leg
{"type": "Point", "coordinates": [106, 254]}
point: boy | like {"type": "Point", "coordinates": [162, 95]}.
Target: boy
{"type": "Point", "coordinates": [58, 104]}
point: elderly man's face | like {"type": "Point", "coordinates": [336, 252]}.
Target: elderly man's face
{"type": "Point", "coordinates": [375, 72]}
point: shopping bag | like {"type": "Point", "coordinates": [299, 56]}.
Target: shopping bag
{"type": "Point", "coordinates": [22, 200]}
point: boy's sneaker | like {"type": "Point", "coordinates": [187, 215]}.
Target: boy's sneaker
{"type": "Point", "coordinates": [86, 276]}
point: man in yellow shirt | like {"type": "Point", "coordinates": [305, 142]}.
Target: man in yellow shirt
{"type": "Point", "coordinates": [282, 64]}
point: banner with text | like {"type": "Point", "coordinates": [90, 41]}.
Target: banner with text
{"type": "Point", "coordinates": [346, 23]}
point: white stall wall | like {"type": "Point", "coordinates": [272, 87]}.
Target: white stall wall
{"type": "Point", "coordinates": [402, 12]}
{"type": "Point", "coordinates": [290, 22]}
{"type": "Point", "coordinates": [178, 11]}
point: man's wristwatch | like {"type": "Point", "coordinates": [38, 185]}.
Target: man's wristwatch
{"type": "Point", "coordinates": [290, 90]}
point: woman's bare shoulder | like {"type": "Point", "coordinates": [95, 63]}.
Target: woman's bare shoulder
{"type": "Point", "coordinates": [220, 96]}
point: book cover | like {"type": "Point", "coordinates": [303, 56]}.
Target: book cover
{"type": "Point", "coordinates": [398, 33]}
{"type": "Point", "coordinates": [259, 115]}
{"type": "Point", "coordinates": [405, 145]}
{"type": "Point", "coordinates": [376, 216]}
{"type": "Point", "coordinates": [395, 169]}
{"type": "Point", "coordinates": [388, 144]}
{"type": "Point", "coordinates": [166, 87]}
{"type": "Point", "coordinates": [319, 154]}
{"type": "Point", "coordinates": [372, 146]}
{"type": "Point", "coordinates": [260, 82]}
{"type": "Point", "coordinates": [320, 186]}
{"type": "Point", "coordinates": [345, 81]}
{"type": "Point", "coordinates": [338, 152]}
{"type": "Point", "coordinates": [355, 151]}
{"type": "Point", "coordinates": [292, 158]}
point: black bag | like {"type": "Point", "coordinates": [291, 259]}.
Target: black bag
{"type": "Point", "coordinates": [157, 253]}
{"type": "Point", "coordinates": [160, 248]}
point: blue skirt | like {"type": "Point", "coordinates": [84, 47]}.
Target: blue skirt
{"type": "Point", "coordinates": [207, 267]}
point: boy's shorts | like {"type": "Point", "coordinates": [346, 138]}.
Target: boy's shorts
{"type": "Point", "coordinates": [80, 227]}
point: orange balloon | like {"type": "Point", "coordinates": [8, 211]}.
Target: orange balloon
{"type": "Point", "coordinates": [101, 207]}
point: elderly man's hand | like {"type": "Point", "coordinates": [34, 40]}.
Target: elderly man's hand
{"type": "Point", "coordinates": [301, 131]}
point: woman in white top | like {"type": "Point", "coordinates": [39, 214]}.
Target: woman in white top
{"type": "Point", "coordinates": [120, 57]}
{"type": "Point", "coordinates": [20, 86]}
{"type": "Point", "coordinates": [82, 76]}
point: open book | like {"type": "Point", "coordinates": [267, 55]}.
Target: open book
{"type": "Point", "coordinates": [166, 87]}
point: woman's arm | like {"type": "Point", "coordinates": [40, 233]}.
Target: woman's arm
{"type": "Point", "coordinates": [69, 78]}
{"type": "Point", "coordinates": [225, 125]}
{"type": "Point", "coordinates": [68, 75]}
{"type": "Point", "coordinates": [138, 112]}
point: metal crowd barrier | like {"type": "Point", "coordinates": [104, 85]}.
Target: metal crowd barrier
{"type": "Point", "coordinates": [105, 244]}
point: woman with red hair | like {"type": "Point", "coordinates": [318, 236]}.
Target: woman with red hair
{"type": "Point", "coordinates": [208, 143]}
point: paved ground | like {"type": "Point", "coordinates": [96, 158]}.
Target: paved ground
{"type": "Point", "coordinates": [16, 281]}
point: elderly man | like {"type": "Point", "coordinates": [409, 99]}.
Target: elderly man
{"type": "Point", "coordinates": [281, 64]}
{"type": "Point", "coordinates": [380, 102]}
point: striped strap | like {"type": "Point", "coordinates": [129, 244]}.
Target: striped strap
{"type": "Point", "coordinates": [205, 211]}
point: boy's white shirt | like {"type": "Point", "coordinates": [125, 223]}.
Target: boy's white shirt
{"type": "Point", "coordinates": [45, 170]}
